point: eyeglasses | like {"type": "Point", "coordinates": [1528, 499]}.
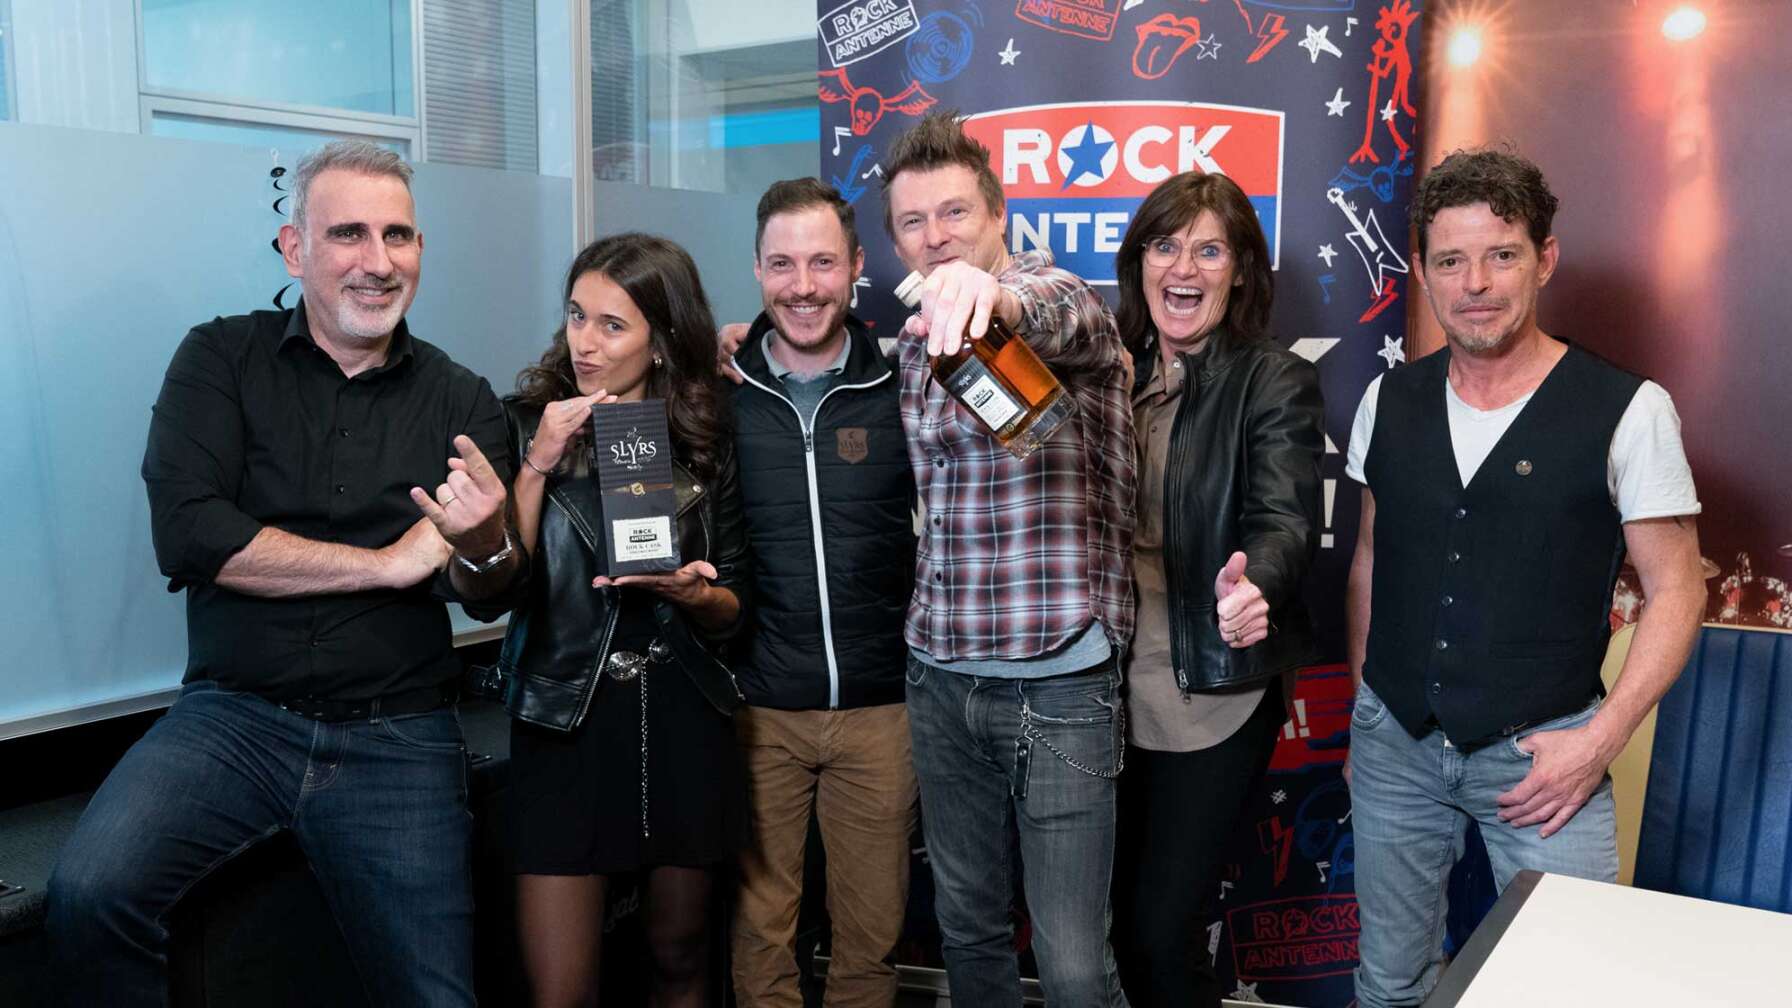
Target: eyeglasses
{"type": "Point", "coordinates": [1163, 251]}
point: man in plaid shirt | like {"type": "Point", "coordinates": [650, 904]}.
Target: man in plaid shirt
{"type": "Point", "coordinates": [1023, 598]}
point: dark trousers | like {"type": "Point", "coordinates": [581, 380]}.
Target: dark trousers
{"type": "Point", "coordinates": [378, 806]}
{"type": "Point", "coordinates": [1178, 812]}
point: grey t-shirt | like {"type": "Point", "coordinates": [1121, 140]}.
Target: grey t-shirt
{"type": "Point", "coordinates": [1085, 650]}
{"type": "Point", "coordinates": [805, 390]}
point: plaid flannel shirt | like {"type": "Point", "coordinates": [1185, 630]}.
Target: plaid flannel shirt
{"type": "Point", "coordinates": [1017, 555]}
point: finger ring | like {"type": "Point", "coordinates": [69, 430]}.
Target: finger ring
{"type": "Point", "coordinates": [449, 501]}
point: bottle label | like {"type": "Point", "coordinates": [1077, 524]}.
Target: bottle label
{"type": "Point", "coordinates": [978, 389]}
{"type": "Point", "coordinates": [636, 539]}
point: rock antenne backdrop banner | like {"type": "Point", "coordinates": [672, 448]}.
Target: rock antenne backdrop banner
{"type": "Point", "coordinates": [1085, 105]}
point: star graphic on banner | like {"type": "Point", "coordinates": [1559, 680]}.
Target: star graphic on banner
{"type": "Point", "coordinates": [1326, 252]}
{"type": "Point", "coordinates": [1387, 111]}
{"type": "Point", "coordinates": [1316, 43]}
{"type": "Point", "coordinates": [1337, 105]}
{"type": "Point", "coordinates": [1391, 351]}
{"type": "Point", "coordinates": [1085, 157]}
{"type": "Point", "coordinates": [1278, 796]}
{"type": "Point", "coordinates": [1207, 48]}
{"type": "Point", "coordinates": [1247, 992]}
{"type": "Point", "coordinates": [1010, 53]}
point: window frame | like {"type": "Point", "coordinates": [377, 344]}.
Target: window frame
{"type": "Point", "coordinates": [9, 64]}
{"type": "Point", "coordinates": [230, 110]}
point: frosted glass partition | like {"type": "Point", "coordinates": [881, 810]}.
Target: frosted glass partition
{"type": "Point", "coordinates": [715, 228]}
{"type": "Point", "coordinates": [111, 247]}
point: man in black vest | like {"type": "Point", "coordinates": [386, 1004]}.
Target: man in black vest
{"type": "Point", "coordinates": [1505, 479]}
{"type": "Point", "coordinates": [828, 492]}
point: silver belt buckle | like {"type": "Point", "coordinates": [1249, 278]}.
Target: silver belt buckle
{"type": "Point", "coordinates": [624, 666]}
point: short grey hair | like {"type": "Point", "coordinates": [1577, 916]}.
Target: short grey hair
{"type": "Point", "coordinates": [344, 155]}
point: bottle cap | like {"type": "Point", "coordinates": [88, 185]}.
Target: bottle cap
{"type": "Point", "coordinates": [909, 290]}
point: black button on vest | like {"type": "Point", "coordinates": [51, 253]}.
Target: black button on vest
{"type": "Point", "coordinates": [1490, 601]}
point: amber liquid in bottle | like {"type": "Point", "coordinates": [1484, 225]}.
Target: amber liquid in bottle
{"type": "Point", "coordinates": [1000, 380]}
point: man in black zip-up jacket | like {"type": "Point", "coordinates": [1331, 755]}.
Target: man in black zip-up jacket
{"type": "Point", "coordinates": [828, 495]}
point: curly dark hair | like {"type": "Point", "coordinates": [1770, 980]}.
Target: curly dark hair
{"type": "Point", "coordinates": [663, 282]}
{"type": "Point", "coordinates": [1172, 206]}
{"type": "Point", "coordinates": [1511, 186]}
{"type": "Point", "coordinates": [938, 141]}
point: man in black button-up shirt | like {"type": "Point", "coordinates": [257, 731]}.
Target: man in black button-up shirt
{"type": "Point", "coordinates": [288, 459]}
{"type": "Point", "coordinates": [279, 491]}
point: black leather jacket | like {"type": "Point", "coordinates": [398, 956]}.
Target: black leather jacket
{"type": "Point", "coordinates": [1242, 474]}
{"type": "Point", "coordinates": [561, 628]}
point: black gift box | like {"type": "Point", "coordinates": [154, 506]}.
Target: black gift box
{"type": "Point", "coordinates": [632, 463]}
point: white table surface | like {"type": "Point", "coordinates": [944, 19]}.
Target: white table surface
{"type": "Point", "coordinates": [1580, 943]}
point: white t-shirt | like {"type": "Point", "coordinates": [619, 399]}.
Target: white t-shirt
{"type": "Point", "coordinates": [1645, 470]}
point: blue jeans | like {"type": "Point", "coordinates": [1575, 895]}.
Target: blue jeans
{"type": "Point", "coordinates": [1411, 801]}
{"type": "Point", "coordinates": [378, 807]}
{"type": "Point", "coordinates": [1033, 760]}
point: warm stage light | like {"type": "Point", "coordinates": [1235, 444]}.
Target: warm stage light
{"type": "Point", "coordinates": [1683, 23]}
{"type": "Point", "coordinates": [1465, 46]}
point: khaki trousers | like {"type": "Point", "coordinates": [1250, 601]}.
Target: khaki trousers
{"type": "Point", "coordinates": [853, 769]}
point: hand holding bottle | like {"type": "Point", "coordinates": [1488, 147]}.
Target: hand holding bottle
{"type": "Point", "coordinates": [957, 302]}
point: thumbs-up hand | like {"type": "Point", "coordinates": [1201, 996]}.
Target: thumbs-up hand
{"type": "Point", "coordinates": [1240, 606]}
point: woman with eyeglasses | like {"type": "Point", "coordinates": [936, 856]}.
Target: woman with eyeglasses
{"type": "Point", "coordinates": [622, 749]}
{"type": "Point", "coordinates": [1228, 425]}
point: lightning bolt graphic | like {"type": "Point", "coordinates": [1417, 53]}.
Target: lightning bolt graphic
{"type": "Point", "coordinates": [1269, 31]}
{"type": "Point", "coordinates": [1278, 840]}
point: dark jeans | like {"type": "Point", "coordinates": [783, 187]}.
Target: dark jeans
{"type": "Point", "coordinates": [378, 807]}
{"type": "Point", "coordinates": [1032, 761]}
{"type": "Point", "coordinates": [1178, 813]}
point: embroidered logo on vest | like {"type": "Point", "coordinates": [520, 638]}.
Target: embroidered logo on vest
{"type": "Point", "coordinates": [854, 444]}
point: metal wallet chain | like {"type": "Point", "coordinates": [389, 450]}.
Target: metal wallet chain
{"type": "Point", "coordinates": [1030, 731]}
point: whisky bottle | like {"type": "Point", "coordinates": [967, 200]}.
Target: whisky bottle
{"type": "Point", "coordinates": [1001, 381]}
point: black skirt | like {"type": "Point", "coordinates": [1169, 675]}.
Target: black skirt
{"type": "Point", "coordinates": [586, 803]}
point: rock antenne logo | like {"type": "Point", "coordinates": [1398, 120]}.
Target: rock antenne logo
{"type": "Point", "coordinates": [1074, 173]}
{"type": "Point", "coordinates": [860, 29]}
{"type": "Point", "coordinates": [1094, 19]}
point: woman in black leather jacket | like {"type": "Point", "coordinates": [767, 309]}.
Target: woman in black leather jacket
{"type": "Point", "coordinates": [1229, 434]}
{"type": "Point", "coordinates": [622, 751]}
